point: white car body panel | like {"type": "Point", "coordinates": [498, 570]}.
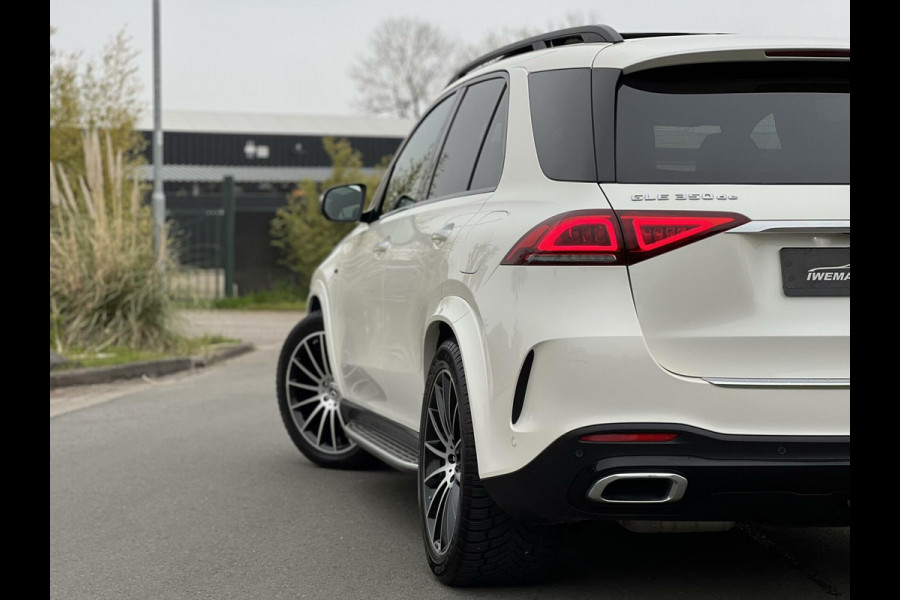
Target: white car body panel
{"type": "Point", "coordinates": [416, 266]}
{"type": "Point", "coordinates": [715, 308]}
{"type": "Point", "coordinates": [353, 274]}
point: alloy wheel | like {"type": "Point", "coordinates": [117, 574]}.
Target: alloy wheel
{"type": "Point", "coordinates": [313, 397]}
{"type": "Point", "coordinates": [442, 467]}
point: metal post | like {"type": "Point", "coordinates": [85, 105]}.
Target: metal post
{"type": "Point", "coordinates": [159, 197]}
{"type": "Point", "coordinates": [228, 200]}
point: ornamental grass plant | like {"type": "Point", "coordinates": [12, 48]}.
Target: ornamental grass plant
{"type": "Point", "coordinates": [106, 285]}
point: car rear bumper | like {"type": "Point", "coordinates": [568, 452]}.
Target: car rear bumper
{"type": "Point", "coordinates": [592, 365]}
{"type": "Point", "coordinates": [792, 480]}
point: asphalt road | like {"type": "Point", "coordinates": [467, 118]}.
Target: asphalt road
{"type": "Point", "coordinates": [190, 488]}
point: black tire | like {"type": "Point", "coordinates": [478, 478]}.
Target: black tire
{"type": "Point", "coordinates": [344, 454]}
{"type": "Point", "coordinates": [487, 546]}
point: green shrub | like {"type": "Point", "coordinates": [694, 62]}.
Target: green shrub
{"type": "Point", "coordinates": [106, 287]}
{"type": "Point", "coordinates": [300, 231]}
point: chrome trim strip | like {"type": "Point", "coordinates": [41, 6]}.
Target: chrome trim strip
{"type": "Point", "coordinates": [380, 453]}
{"type": "Point", "coordinates": [677, 486]}
{"type": "Point", "coordinates": [792, 382]}
{"type": "Point", "coordinates": [837, 226]}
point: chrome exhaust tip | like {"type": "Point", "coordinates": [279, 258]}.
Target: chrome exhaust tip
{"type": "Point", "coordinates": [638, 488]}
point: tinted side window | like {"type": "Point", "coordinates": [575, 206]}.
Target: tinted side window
{"type": "Point", "coordinates": [411, 168]}
{"type": "Point", "coordinates": [457, 160]}
{"type": "Point", "coordinates": [490, 161]}
{"type": "Point", "coordinates": [561, 121]}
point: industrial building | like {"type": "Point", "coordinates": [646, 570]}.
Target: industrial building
{"type": "Point", "coordinates": [267, 155]}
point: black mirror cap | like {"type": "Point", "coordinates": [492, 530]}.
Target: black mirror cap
{"type": "Point", "coordinates": [343, 203]}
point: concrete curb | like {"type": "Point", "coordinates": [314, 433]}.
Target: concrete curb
{"type": "Point", "coordinates": [150, 368]}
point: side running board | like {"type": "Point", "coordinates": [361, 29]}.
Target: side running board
{"type": "Point", "coordinates": [386, 441]}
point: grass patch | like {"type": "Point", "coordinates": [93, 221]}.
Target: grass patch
{"type": "Point", "coordinates": [205, 343]}
{"type": "Point", "coordinates": [282, 297]}
{"type": "Point", "coordinates": [116, 355]}
{"type": "Point", "coordinates": [119, 355]}
{"type": "Point", "coordinates": [259, 302]}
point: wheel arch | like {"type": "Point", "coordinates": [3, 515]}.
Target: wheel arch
{"type": "Point", "coordinates": [435, 334]}
{"type": "Point", "coordinates": [455, 319]}
{"type": "Point", "coordinates": [318, 300]}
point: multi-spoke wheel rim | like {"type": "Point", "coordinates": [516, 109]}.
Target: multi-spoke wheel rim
{"type": "Point", "coordinates": [313, 399]}
{"type": "Point", "coordinates": [442, 468]}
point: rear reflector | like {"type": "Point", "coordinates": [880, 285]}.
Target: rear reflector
{"type": "Point", "coordinates": [629, 437]}
{"type": "Point", "coordinates": [808, 53]}
{"type": "Point", "coordinates": [602, 237]}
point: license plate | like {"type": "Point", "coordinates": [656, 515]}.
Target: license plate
{"type": "Point", "coordinates": [815, 271]}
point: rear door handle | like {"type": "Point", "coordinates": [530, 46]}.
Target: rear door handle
{"type": "Point", "coordinates": [381, 247]}
{"type": "Point", "coordinates": [439, 237]}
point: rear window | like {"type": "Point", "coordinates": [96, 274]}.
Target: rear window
{"type": "Point", "coordinates": [735, 123]}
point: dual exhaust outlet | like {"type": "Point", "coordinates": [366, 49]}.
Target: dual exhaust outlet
{"type": "Point", "coordinates": [638, 488]}
{"type": "Point", "coordinates": [650, 488]}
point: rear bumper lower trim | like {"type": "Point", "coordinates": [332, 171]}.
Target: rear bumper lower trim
{"type": "Point", "coordinates": [791, 480]}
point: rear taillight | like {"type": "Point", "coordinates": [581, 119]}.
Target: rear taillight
{"type": "Point", "coordinates": [580, 237]}
{"type": "Point", "coordinates": [648, 234]}
{"type": "Point", "coordinates": [603, 237]}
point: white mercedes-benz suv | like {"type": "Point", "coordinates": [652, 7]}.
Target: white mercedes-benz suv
{"type": "Point", "coordinates": [605, 277]}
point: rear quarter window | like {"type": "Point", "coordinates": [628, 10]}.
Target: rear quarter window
{"type": "Point", "coordinates": [560, 103]}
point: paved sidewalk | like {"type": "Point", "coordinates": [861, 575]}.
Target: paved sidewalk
{"type": "Point", "coordinates": [265, 329]}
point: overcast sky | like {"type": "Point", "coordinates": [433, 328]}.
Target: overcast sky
{"type": "Point", "coordinates": [292, 56]}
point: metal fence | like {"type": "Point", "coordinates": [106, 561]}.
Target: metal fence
{"type": "Point", "coordinates": [222, 244]}
{"type": "Point", "coordinates": [198, 236]}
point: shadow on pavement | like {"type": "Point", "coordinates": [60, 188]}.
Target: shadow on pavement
{"type": "Point", "coordinates": [749, 561]}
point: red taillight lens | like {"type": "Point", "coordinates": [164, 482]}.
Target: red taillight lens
{"type": "Point", "coordinates": [590, 233]}
{"type": "Point", "coordinates": [629, 437]}
{"type": "Point", "coordinates": [595, 237]}
{"type": "Point", "coordinates": [582, 237]}
{"type": "Point", "coordinates": [648, 234]}
{"type": "Point", "coordinates": [655, 232]}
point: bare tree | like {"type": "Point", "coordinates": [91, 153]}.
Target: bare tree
{"type": "Point", "coordinates": [496, 39]}
{"type": "Point", "coordinates": [574, 18]}
{"type": "Point", "coordinates": [407, 63]}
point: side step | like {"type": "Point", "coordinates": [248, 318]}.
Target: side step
{"type": "Point", "coordinates": [383, 446]}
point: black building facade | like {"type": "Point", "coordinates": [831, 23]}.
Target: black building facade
{"type": "Point", "coordinates": [267, 156]}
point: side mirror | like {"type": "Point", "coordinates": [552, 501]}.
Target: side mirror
{"type": "Point", "coordinates": [343, 203]}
